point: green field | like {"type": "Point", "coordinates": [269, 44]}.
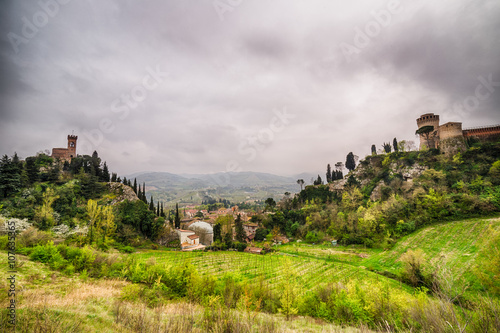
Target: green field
{"type": "Point", "coordinates": [452, 247]}
{"type": "Point", "coordinates": [269, 269]}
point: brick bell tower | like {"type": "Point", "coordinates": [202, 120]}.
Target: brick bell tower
{"type": "Point", "coordinates": [72, 145]}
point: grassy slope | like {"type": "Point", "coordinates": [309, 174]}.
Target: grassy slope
{"type": "Point", "coordinates": [269, 268]}
{"type": "Point", "coordinates": [67, 303]}
{"type": "Point", "coordinates": [452, 246]}
{"type": "Point", "coordinates": [50, 301]}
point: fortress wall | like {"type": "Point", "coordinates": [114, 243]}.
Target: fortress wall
{"type": "Point", "coordinates": [450, 130]}
{"type": "Point", "coordinates": [482, 132]}
{"type": "Point", "coordinates": [62, 153]}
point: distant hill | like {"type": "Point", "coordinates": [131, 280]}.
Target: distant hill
{"type": "Point", "coordinates": [234, 186]}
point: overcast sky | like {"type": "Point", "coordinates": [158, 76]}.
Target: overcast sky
{"type": "Point", "coordinates": [273, 86]}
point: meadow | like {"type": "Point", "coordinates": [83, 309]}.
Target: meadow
{"type": "Point", "coordinates": [299, 288]}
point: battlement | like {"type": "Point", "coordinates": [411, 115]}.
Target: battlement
{"type": "Point", "coordinates": [449, 137]}
{"type": "Point", "coordinates": [428, 119]}
{"type": "Point", "coordinates": [73, 137]}
{"type": "Point", "coordinates": [483, 131]}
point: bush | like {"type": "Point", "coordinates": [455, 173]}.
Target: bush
{"type": "Point", "coordinates": [32, 237]}
{"type": "Point", "coordinates": [240, 246]}
{"type": "Point", "coordinates": [48, 254]}
{"type": "Point", "coordinates": [312, 237]}
{"type": "Point", "coordinates": [126, 249]}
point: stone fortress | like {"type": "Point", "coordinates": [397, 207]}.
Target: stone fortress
{"type": "Point", "coordinates": [66, 154]}
{"type": "Point", "coordinates": [450, 137]}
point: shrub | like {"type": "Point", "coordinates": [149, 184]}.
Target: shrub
{"type": "Point", "coordinates": [32, 237]}
{"type": "Point", "coordinates": [48, 254]}
{"type": "Point", "coordinates": [312, 237]}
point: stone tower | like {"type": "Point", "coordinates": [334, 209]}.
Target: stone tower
{"type": "Point", "coordinates": [72, 145]}
{"type": "Point", "coordinates": [66, 154]}
{"type": "Point", "coordinates": [451, 138]}
{"type": "Point", "coordinates": [429, 119]}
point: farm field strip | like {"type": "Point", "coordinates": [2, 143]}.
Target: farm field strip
{"type": "Point", "coordinates": [272, 269]}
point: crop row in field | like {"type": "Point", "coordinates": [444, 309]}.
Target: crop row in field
{"type": "Point", "coordinates": [270, 269]}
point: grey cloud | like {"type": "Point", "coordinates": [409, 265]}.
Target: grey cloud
{"type": "Point", "coordinates": [226, 78]}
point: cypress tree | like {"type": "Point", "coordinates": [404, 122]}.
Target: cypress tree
{"type": "Point", "coordinates": [395, 145]}
{"type": "Point", "coordinates": [10, 177]}
{"type": "Point", "coordinates": [162, 213]}
{"type": "Point", "coordinates": [240, 232]}
{"type": "Point", "coordinates": [177, 217]}
{"type": "Point", "coordinates": [218, 232]}
{"type": "Point", "coordinates": [328, 173]}
{"type": "Point", "coordinates": [105, 173]}
{"type": "Point", "coordinates": [152, 205]}
{"type": "Point", "coordinates": [144, 193]}
{"type": "Point", "coordinates": [135, 185]}
{"type": "Point", "coordinates": [158, 208]}
{"type": "Point", "coordinates": [374, 150]}
{"type": "Point", "coordinates": [350, 164]}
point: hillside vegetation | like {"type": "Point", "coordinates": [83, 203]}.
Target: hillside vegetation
{"type": "Point", "coordinates": [412, 257]}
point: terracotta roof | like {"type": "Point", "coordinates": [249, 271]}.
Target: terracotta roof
{"type": "Point", "coordinates": [193, 237]}
{"type": "Point", "coordinates": [182, 230]}
{"type": "Point", "coordinates": [253, 249]}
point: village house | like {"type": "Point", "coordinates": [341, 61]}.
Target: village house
{"type": "Point", "coordinates": [254, 250]}
{"type": "Point", "coordinates": [189, 240]}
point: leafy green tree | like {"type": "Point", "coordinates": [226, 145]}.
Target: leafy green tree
{"type": "Point", "coordinates": [374, 150]}
{"type": "Point", "coordinates": [270, 204]}
{"type": "Point", "coordinates": [387, 147]}
{"type": "Point", "coordinates": [350, 163]}
{"type": "Point", "coordinates": [138, 215]}
{"type": "Point", "coordinates": [54, 173]}
{"type": "Point", "coordinates": [113, 177]}
{"type": "Point", "coordinates": [318, 181]}
{"type": "Point", "coordinates": [89, 187]}
{"type": "Point", "coordinates": [260, 234]}
{"type": "Point", "coordinates": [426, 132]}
{"type": "Point", "coordinates": [44, 214]}
{"type": "Point", "coordinates": [395, 145]}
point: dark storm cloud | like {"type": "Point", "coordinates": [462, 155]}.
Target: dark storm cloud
{"type": "Point", "coordinates": [178, 86]}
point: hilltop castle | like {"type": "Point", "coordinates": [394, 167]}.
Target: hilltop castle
{"type": "Point", "coordinates": [450, 136]}
{"type": "Point", "coordinates": [66, 154]}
